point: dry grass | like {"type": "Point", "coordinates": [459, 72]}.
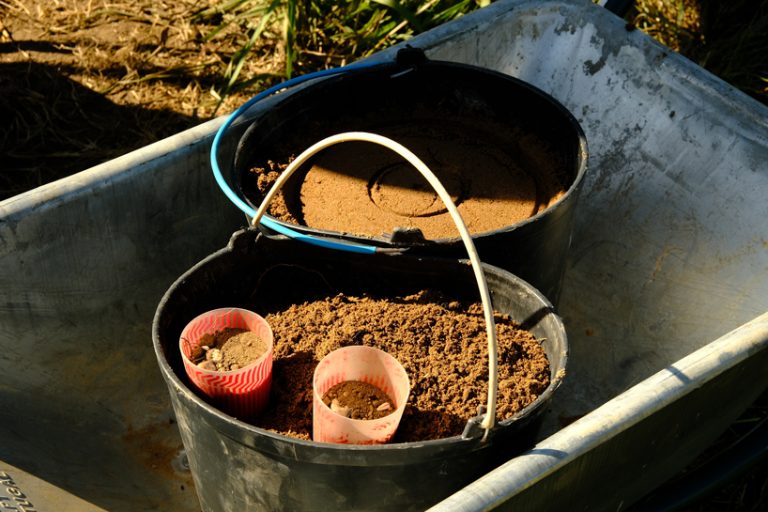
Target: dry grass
{"type": "Point", "coordinates": [83, 81]}
{"type": "Point", "coordinates": [147, 69]}
{"type": "Point", "coordinates": [674, 23]}
{"type": "Point", "coordinates": [137, 53]}
{"type": "Point", "coordinates": [728, 38]}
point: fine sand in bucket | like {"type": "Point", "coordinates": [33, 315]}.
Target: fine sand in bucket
{"type": "Point", "coordinates": [441, 343]}
{"type": "Point", "coordinates": [366, 190]}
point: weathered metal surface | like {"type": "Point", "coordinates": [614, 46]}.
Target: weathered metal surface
{"type": "Point", "coordinates": [669, 254]}
{"type": "Point", "coordinates": [83, 263]}
{"type": "Point", "coordinates": [670, 251]}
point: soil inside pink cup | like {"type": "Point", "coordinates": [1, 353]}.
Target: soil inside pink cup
{"type": "Point", "coordinates": [227, 355]}
{"type": "Point", "coordinates": [228, 349]}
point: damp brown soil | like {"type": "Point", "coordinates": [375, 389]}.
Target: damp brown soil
{"type": "Point", "coordinates": [368, 190]}
{"type": "Point", "coordinates": [441, 343]}
{"type": "Point", "coordinates": [358, 400]}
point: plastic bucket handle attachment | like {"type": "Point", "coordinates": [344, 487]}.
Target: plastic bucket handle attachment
{"type": "Point", "coordinates": [490, 325]}
{"type": "Point", "coordinates": [243, 392]}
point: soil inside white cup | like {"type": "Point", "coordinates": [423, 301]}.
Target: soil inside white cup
{"type": "Point", "coordinates": [358, 400]}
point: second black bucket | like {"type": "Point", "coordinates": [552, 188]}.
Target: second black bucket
{"type": "Point", "coordinates": [491, 139]}
{"type": "Point", "coordinates": [237, 466]}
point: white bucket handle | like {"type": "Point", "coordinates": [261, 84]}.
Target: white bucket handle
{"type": "Point", "coordinates": [490, 325]}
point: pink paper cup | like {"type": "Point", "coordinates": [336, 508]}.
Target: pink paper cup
{"type": "Point", "coordinates": [242, 393]}
{"type": "Point", "coordinates": [366, 364]}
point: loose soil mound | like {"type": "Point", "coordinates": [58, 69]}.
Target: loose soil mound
{"type": "Point", "coordinates": [441, 344]}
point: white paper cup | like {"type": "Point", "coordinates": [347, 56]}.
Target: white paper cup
{"type": "Point", "coordinates": [365, 364]}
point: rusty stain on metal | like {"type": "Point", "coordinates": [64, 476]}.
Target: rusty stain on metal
{"type": "Point", "coordinates": [158, 448]}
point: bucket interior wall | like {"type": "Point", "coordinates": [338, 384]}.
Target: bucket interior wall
{"type": "Point", "coordinates": [267, 275]}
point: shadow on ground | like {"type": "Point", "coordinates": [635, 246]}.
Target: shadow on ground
{"type": "Point", "coordinates": [53, 126]}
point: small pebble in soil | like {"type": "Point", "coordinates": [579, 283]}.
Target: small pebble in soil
{"type": "Point", "coordinates": [207, 365]}
{"type": "Point", "coordinates": [340, 409]}
{"type": "Point", "coordinates": [358, 400]}
{"type": "Point", "coordinates": [213, 354]}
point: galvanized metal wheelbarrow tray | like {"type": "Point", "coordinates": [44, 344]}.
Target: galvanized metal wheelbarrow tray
{"type": "Point", "coordinates": [664, 299]}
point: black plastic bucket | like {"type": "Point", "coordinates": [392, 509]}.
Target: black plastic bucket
{"type": "Point", "coordinates": [445, 99]}
{"type": "Point", "coordinates": [237, 466]}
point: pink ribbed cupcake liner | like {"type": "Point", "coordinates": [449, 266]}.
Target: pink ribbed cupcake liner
{"type": "Point", "coordinates": [241, 393]}
{"type": "Point", "coordinates": [365, 364]}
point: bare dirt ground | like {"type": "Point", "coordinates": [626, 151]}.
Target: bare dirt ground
{"type": "Point", "coordinates": [83, 81]}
